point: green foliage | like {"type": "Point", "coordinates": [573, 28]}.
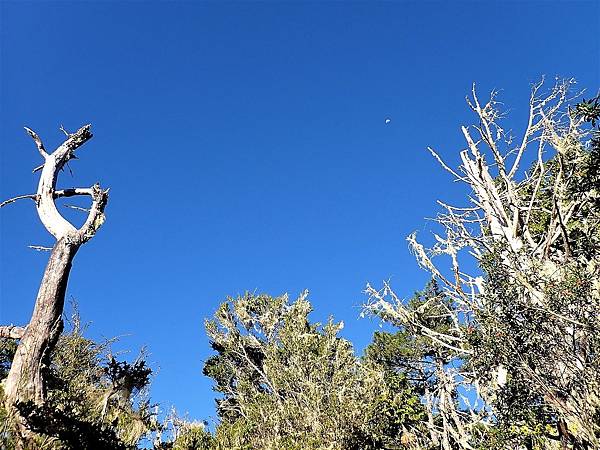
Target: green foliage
{"type": "Point", "coordinates": [408, 356]}
{"type": "Point", "coordinates": [394, 412]}
{"type": "Point", "coordinates": [284, 382]}
{"type": "Point", "coordinates": [572, 175]}
{"type": "Point", "coordinates": [410, 359]}
{"type": "Point", "coordinates": [193, 436]}
{"type": "Point", "coordinates": [6, 425]}
{"type": "Point", "coordinates": [8, 347]}
{"type": "Point", "coordinates": [523, 333]}
{"type": "Point", "coordinates": [588, 110]}
{"type": "Point", "coordinates": [128, 379]}
{"type": "Point", "coordinates": [93, 401]}
{"type": "Point", "coordinates": [289, 383]}
{"type": "Point", "coordinates": [72, 429]}
{"type": "Point", "coordinates": [533, 339]}
{"type": "Point", "coordinates": [400, 351]}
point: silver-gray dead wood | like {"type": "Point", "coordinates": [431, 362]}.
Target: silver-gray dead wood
{"type": "Point", "coordinates": [25, 380]}
{"type": "Point", "coordinates": [526, 228]}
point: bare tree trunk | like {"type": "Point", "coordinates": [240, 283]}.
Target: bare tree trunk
{"type": "Point", "coordinates": [25, 381]}
{"type": "Point", "coordinates": [25, 378]}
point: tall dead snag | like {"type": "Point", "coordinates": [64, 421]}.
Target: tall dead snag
{"type": "Point", "coordinates": [25, 380]}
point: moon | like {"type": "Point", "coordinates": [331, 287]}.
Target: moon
{"type": "Point", "coordinates": [387, 120]}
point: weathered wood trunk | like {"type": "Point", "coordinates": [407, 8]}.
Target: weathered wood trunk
{"type": "Point", "coordinates": [25, 380]}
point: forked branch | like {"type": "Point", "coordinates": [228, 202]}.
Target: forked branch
{"type": "Point", "coordinates": [54, 222]}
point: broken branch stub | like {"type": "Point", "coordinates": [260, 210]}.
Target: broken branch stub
{"type": "Point", "coordinates": [11, 332]}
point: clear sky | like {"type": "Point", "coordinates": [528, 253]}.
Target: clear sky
{"type": "Point", "coordinates": [246, 148]}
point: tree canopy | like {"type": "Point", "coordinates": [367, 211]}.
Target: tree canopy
{"type": "Point", "coordinates": [498, 351]}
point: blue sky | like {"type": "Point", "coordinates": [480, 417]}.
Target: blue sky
{"type": "Point", "coordinates": [246, 148]}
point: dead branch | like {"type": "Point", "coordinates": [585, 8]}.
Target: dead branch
{"type": "Point", "coordinates": [11, 332]}
{"type": "Point", "coordinates": [38, 142]}
{"type": "Point", "coordinates": [73, 192]}
{"type": "Point", "coordinates": [57, 194]}
{"type": "Point", "coordinates": [444, 165]}
{"type": "Point", "coordinates": [18, 197]}
{"type": "Point", "coordinates": [77, 208]}
{"type": "Point", "coordinates": [40, 248]}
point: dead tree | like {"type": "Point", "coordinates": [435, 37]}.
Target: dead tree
{"type": "Point", "coordinates": [25, 380]}
{"type": "Point", "coordinates": [522, 225]}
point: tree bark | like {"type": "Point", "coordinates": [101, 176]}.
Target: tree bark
{"type": "Point", "coordinates": [25, 380]}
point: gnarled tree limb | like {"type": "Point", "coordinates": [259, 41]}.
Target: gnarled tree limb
{"type": "Point", "coordinates": [25, 379]}
{"type": "Point", "coordinates": [54, 222]}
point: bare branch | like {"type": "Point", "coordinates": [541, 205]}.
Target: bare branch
{"type": "Point", "coordinates": [57, 194]}
{"type": "Point", "coordinates": [73, 192]}
{"type": "Point", "coordinates": [37, 169]}
{"type": "Point", "coordinates": [444, 165]}
{"type": "Point", "coordinates": [77, 208]}
{"type": "Point", "coordinates": [455, 208]}
{"type": "Point", "coordinates": [18, 197]}
{"type": "Point", "coordinates": [563, 230]}
{"type": "Point", "coordinates": [38, 142]}
{"type": "Point", "coordinates": [528, 130]}
{"type": "Point", "coordinates": [487, 116]}
{"type": "Point", "coordinates": [523, 219]}
{"type": "Point", "coordinates": [40, 248]}
{"type": "Point", "coordinates": [11, 332]}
